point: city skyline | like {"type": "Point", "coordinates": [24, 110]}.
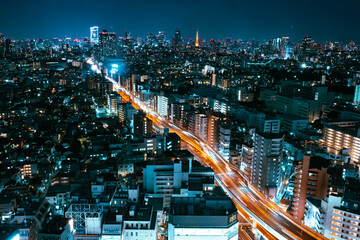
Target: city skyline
{"type": "Point", "coordinates": [179, 120]}
{"type": "Point", "coordinates": [262, 20]}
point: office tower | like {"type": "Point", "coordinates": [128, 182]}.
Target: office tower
{"type": "Point", "coordinates": [224, 141]}
{"type": "Point", "coordinates": [114, 99]}
{"type": "Point", "coordinates": [177, 39]}
{"type": "Point", "coordinates": [203, 218]}
{"type": "Point", "coordinates": [94, 35]}
{"type": "Point", "coordinates": [162, 105]}
{"type": "Point", "coordinates": [197, 39]}
{"type": "Point", "coordinates": [142, 125]}
{"type": "Point", "coordinates": [107, 41]}
{"type": "Point", "coordinates": [357, 94]}
{"type": "Point", "coordinates": [311, 179]}
{"type": "Point", "coordinates": [266, 164]}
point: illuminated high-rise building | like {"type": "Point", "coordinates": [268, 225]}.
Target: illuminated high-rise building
{"type": "Point", "coordinates": [357, 94]}
{"type": "Point", "coordinates": [306, 44]}
{"type": "Point", "coordinates": [340, 135]}
{"type": "Point", "coordinates": [107, 41]}
{"type": "Point", "coordinates": [289, 51]}
{"type": "Point", "coordinates": [224, 141]}
{"type": "Point", "coordinates": [114, 100]}
{"type": "Point", "coordinates": [127, 35]}
{"type": "Point", "coordinates": [161, 38]}
{"type": "Point", "coordinates": [94, 35]}
{"type": "Point", "coordinates": [247, 153]}
{"type": "Point", "coordinates": [177, 40]}
{"type": "Point", "coordinates": [213, 131]}
{"type": "Point", "coordinates": [2, 45]}
{"type": "Point", "coordinates": [197, 39]}
{"type": "Point", "coordinates": [122, 112]}
{"type": "Point", "coordinates": [266, 163]}
{"type": "Point", "coordinates": [311, 179]}
{"type": "Point", "coordinates": [198, 125]}
{"type": "Point", "coordinates": [337, 216]}
{"type": "Point", "coordinates": [283, 44]}
{"type": "Point", "coordinates": [162, 105]}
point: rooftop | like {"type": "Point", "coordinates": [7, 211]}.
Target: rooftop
{"type": "Point", "coordinates": [56, 225]}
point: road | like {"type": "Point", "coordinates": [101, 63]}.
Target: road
{"type": "Point", "coordinates": [269, 217]}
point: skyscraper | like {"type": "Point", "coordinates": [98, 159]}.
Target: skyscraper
{"type": "Point", "coordinates": [177, 40]}
{"type": "Point", "coordinates": [94, 35]}
{"type": "Point", "coordinates": [107, 42]}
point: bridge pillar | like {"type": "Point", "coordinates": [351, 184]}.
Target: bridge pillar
{"type": "Point", "coordinates": [257, 234]}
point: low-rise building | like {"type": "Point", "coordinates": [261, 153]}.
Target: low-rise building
{"type": "Point", "coordinates": [209, 217]}
{"type": "Point", "coordinates": [140, 223]}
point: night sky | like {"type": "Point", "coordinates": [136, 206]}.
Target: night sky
{"type": "Point", "coordinates": [332, 20]}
